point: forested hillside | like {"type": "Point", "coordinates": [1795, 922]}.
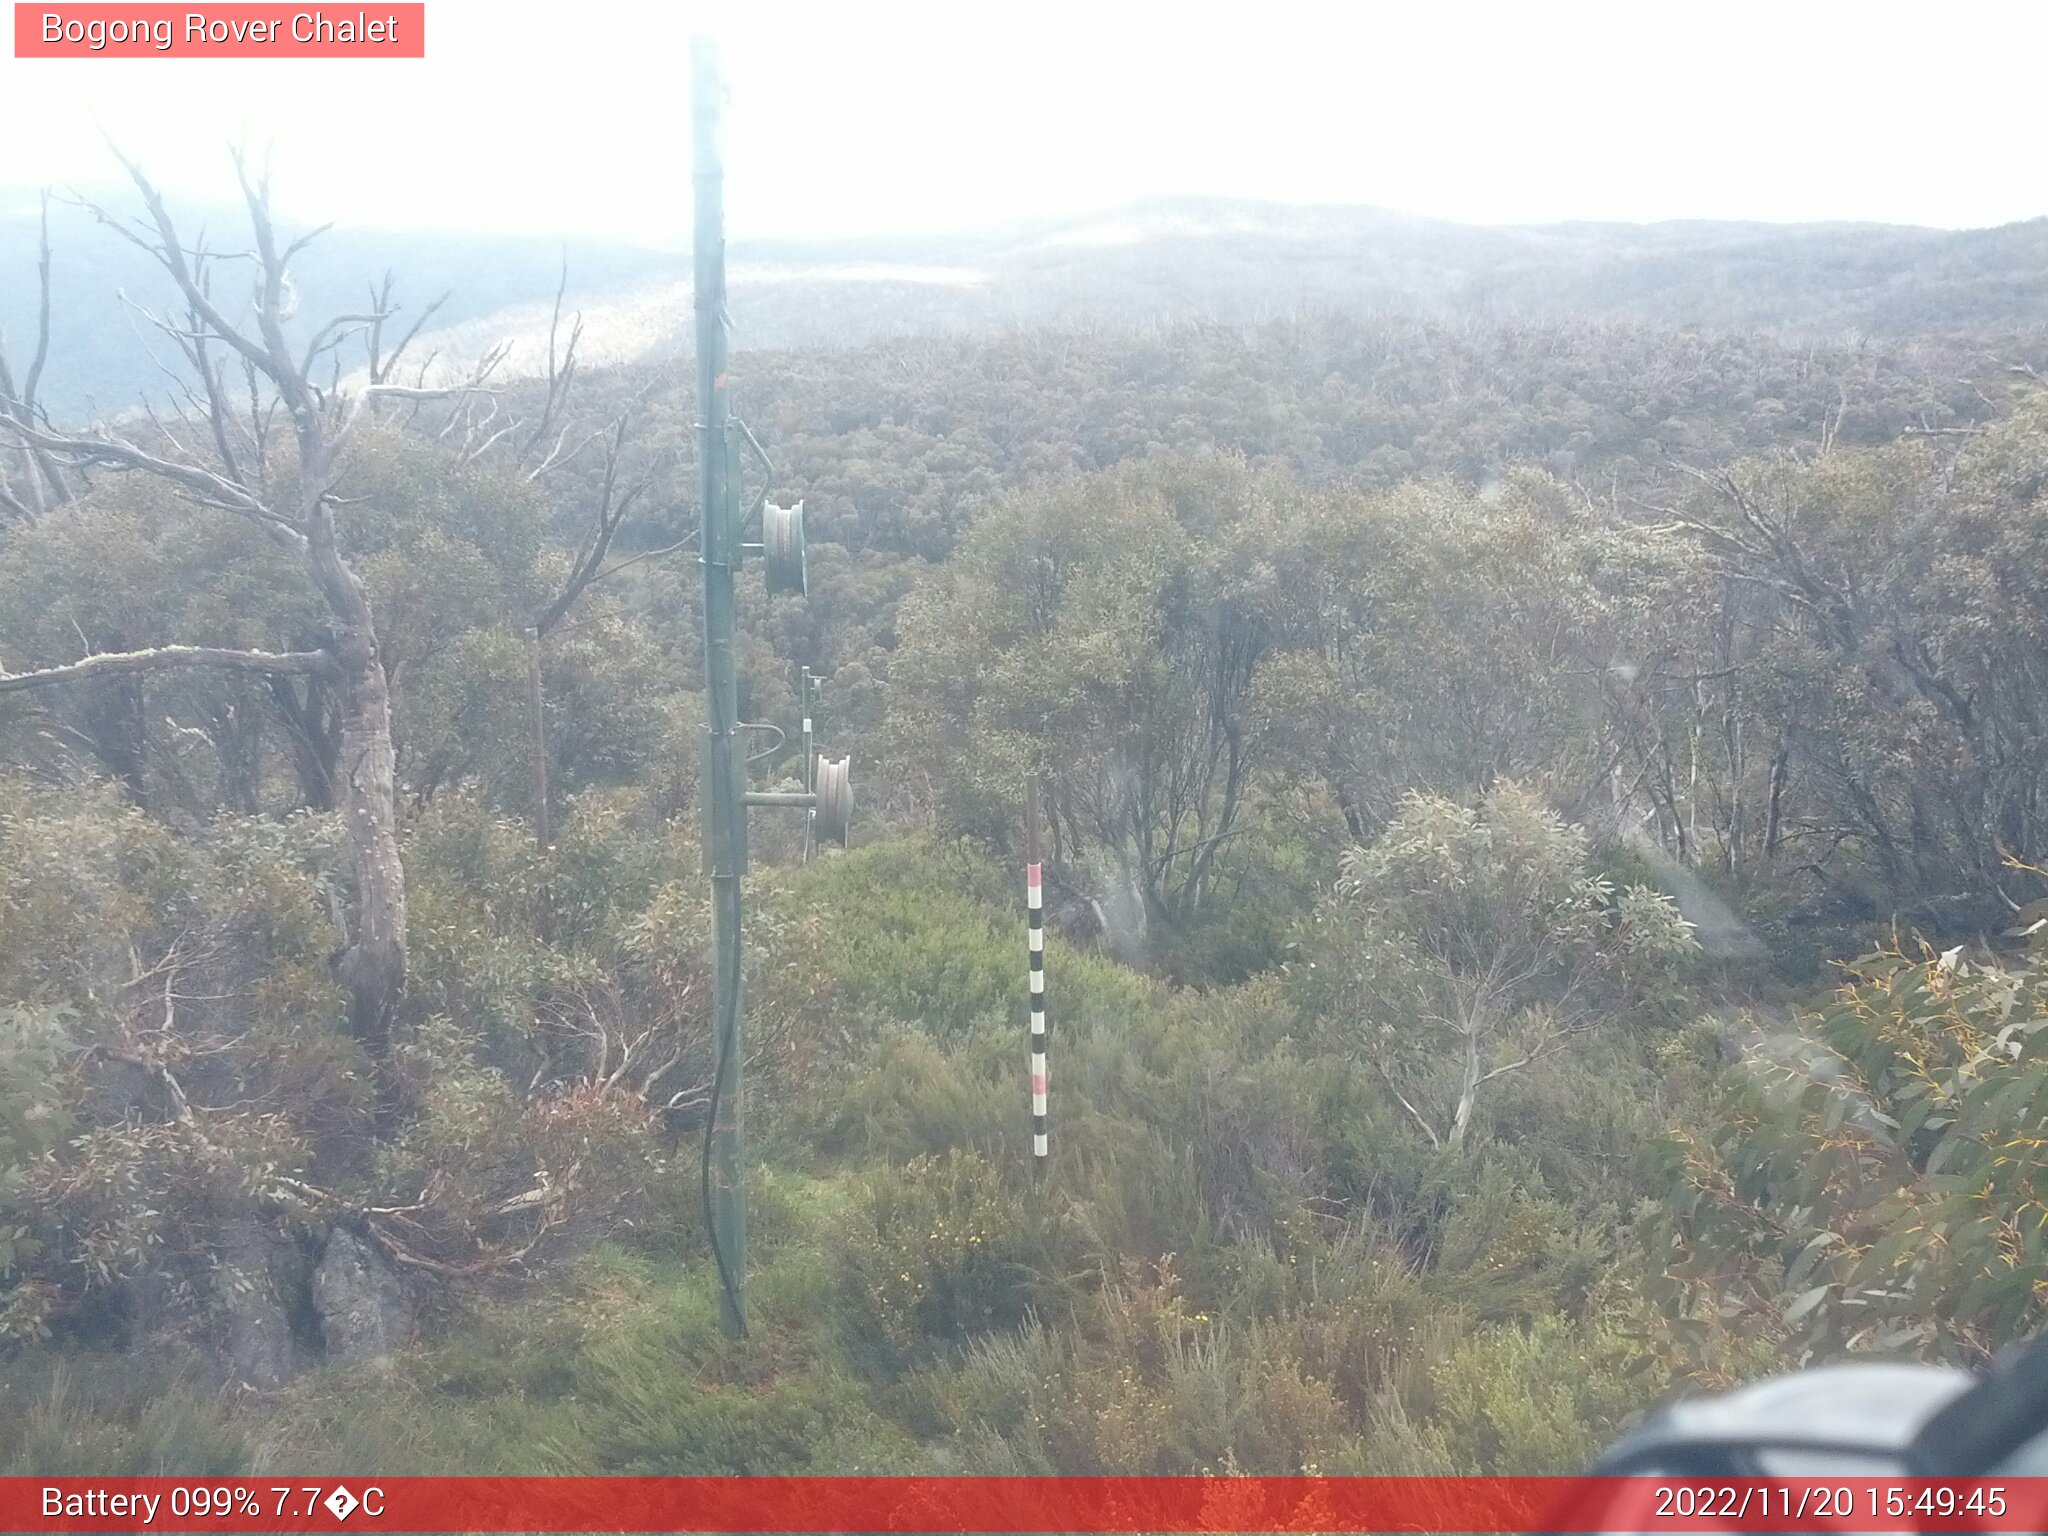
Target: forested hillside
{"type": "Point", "coordinates": [1156, 262]}
{"type": "Point", "coordinates": [1546, 825]}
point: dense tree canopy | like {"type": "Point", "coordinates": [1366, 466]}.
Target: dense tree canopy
{"type": "Point", "coordinates": [1457, 739]}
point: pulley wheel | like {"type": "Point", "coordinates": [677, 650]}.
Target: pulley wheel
{"type": "Point", "coordinates": [835, 799]}
{"type": "Point", "coordinates": [782, 548]}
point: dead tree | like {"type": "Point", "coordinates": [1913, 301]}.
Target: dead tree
{"type": "Point", "coordinates": [553, 443]}
{"type": "Point", "coordinates": [37, 483]}
{"type": "Point", "coordinates": [257, 431]}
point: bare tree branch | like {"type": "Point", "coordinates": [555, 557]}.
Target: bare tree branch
{"type": "Point", "coordinates": [42, 353]}
{"type": "Point", "coordinates": [613, 506]}
{"type": "Point", "coordinates": [18, 403]}
{"type": "Point", "coordinates": [561, 372]}
{"type": "Point", "coordinates": [169, 253]}
{"type": "Point", "coordinates": [1435, 1141]}
{"type": "Point", "coordinates": [164, 657]}
{"type": "Point", "coordinates": [205, 485]}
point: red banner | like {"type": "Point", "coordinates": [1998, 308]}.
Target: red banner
{"type": "Point", "coordinates": [103, 31]}
{"type": "Point", "coordinates": [1021, 1504]}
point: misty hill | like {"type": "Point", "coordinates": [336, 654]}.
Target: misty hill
{"type": "Point", "coordinates": [102, 350]}
{"type": "Point", "coordinates": [1160, 259]}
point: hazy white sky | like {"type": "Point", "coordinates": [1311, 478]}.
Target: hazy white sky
{"type": "Point", "coordinates": [571, 116]}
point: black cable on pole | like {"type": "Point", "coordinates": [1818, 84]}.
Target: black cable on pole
{"type": "Point", "coordinates": [721, 1038]}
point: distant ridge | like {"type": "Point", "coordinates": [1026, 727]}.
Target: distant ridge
{"type": "Point", "coordinates": [1167, 257]}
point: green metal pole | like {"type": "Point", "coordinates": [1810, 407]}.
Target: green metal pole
{"type": "Point", "coordinates": [724, 783]}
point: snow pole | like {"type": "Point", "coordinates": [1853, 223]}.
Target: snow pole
{"type": "Point", "coordinates": [1034, 915]}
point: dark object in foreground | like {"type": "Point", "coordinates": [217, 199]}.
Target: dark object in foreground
{"type": "Point", "coordinates": [1854, 1420]}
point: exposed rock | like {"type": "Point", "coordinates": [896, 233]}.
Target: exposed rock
{"type": "Point", "coordinates": [1078, 919]}
{"type": "Point", "coordinates": [258, 1269]}
{"type": "Point", "coordinates": [366, 1313]}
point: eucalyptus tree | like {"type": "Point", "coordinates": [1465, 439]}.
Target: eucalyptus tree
{"type": "Point", "coordinates": [1468, 942]}
{"type": "Point", "coordinates": [1880, 658]}
{"type": "Point", "coordinates": [1100, 632]}
{"type": "Point", "coordinates": [262, 413]}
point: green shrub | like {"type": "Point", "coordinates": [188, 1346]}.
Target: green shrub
{"type": "Point", "coordinates": [919, 932]}
{"type": "Point", "coordinates": [944, 1249]}
{"type": "Point", "coordinates": [1541, 1399]}
{"type": "Point", "coordinates": [908, 1096]}
{"type": "Point", "coordinates": [1873, 1179]}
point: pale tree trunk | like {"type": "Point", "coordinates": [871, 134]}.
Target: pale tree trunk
{"type": "Point", "coordinates": [537, 751]}
{"type": "Point", "coordinates": [373, 965]}
{"type": "Point", "coordinates": [1468, 1090]}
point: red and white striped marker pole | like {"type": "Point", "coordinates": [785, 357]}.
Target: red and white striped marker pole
{"type": "Point", "coordinates": [1034, 911]}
